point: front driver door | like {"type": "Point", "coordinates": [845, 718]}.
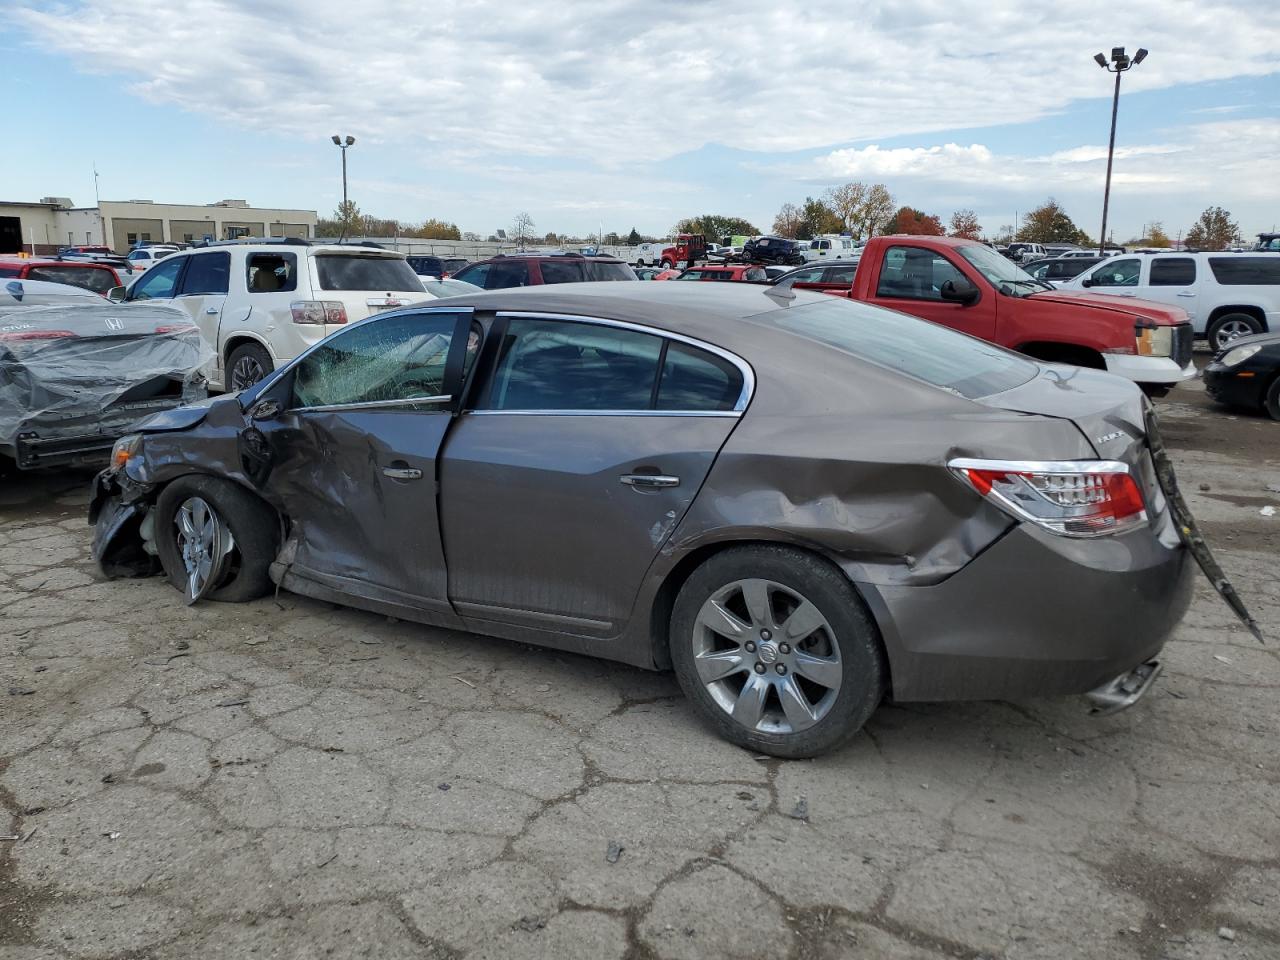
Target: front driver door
{"type": "Point", "coordinates": [588, 443]}
{"type": "Point", "coordinates": [204, 291]}
{"type": "Point", "coordinates": [352, 461]}
{"type": "Point", "coordinates": [911, 280]}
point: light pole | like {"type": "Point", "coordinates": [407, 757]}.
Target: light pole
{"type": "Point", "coordinates": [1119, 64]}
{"type": "Point", "coordinates": [342, 143]}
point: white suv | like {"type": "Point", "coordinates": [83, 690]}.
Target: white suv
{"type": "Point", "coordinates": [261, 304]}
{"type": "Point", "coordinates": [143, 258]}
{"type": "Point", "coordinates": [1226, 295]}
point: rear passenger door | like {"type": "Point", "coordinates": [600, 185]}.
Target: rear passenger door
{"type": "Point", "coordinates": [584, 447]}
{"type": "Point", "coordinates": [1173, 280]}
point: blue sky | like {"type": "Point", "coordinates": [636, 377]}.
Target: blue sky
{"type": "Point", "coordinates": [626, 115]}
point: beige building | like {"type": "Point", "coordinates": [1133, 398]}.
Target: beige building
{"type": "Point", "coordinates": [41, 228]}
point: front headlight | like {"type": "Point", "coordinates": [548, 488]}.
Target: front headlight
{"type": "Point", "coordinates": [127, 446]}
{"type": "Point", "coordinates": [1154, 341]}
{"type": "Point", "coordinates": [1240, 354]}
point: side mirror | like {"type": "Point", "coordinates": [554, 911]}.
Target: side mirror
{"type": "Point", "coordinates": [1086, 282]}
{"type": "Point", "coordinates": [265, 409]}
{"type": "Point", "coordinates": [117, 294]}
{"type": "Point", "coordinates": [959, 291]}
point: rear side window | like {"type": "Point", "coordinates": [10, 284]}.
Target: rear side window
{"type": "Point", "coordinates": [427, 266]}
{"type": "Point", "coordinates": [812, 275]}
{"type": "Point", "coordinates": [561, 271]}
{"type": "Point", "coordinates": [693, 379]}
{"type": "Point", "coordinates": [271, 272]}
{"type": "Point", "coordinates": [88, 278]}
{"type": "Point", "coordinates": [608, 271]}
{"type": "Point", "coordinates": [1173, 272]}
{"type": "Point", "coordinates": [9, 271]}
{"type": "Point", "coordinates": [346, 271]}
{"type": "Point", "coordinates": [207, 273]}
{"type": "Point", "coordinates": [563, 365]}
{"type": "Point", "coordinates": [1242, 271]}
{"type": "Point", "coordinates": [841, 274]}
{"type": "Point", "coordinates": [926, 351]}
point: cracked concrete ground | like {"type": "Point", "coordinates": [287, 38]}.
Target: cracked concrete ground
{"type": "Point", "coordinates": [287, 779]}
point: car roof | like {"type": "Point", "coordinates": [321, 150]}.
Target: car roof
{"type": "Point", "coordinates": [597, 257]}
{"type": "Point", "coordinates": [10, 261]}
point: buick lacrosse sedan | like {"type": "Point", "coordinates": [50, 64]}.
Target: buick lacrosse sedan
{"type": "Point", "coordinates": [802, 505]}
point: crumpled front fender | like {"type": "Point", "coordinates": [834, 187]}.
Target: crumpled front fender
{"type": "Point", "coordinates": [118, 544]}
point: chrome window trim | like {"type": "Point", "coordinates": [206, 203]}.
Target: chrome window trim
{"type": "Point", "coordinates": [748, 375]}
{"type": "Point", "coordinates": [373, 404]}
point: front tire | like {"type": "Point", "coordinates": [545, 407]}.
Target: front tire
{"type": "Point", "coordinates": [1271, 399]}
{"type": "Point", "coordinates": [776, 651]}
{"type": "Point", "coordinates": [254, 530]}
{"type": "Point", "coordinates": [1232, 326]}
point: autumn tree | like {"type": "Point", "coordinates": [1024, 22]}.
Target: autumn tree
{"type": "Point", "coordinates": [816, 218]}
{"type": "Point", "coordinates": [848, 200]}
{"type": "Point", "coordinates": [964, 224]}
{"type": "Point", "coordinates": [788, 221]}
{"type": "Point", "coordinates": [1215, 230]}
{"type": "Point", "coordinates": [1049, 223]}
{"type": "Point", "coordinates": [916, 222]}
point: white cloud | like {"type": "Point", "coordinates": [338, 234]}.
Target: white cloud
{"type": "Point", "coordinates": [1235, 155]}
{"type": "Point", "coordinates": [611, 80]}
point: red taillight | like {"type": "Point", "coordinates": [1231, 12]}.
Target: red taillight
{"type": "Point", "coordinates": [318, 311]}
{"type": "Point", "coordinates": [12, 335]}
{"type": "Point", "coordinates": [1074, 498]}
{"type": "Point", "coordinates": [171, 328]}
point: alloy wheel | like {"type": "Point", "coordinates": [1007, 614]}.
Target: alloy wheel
{"type": "Point", "coordinates": [767, 656]}
{"type": "Point", "coordinates": [246, 372]}
{"type": "Point", "coordinates": [1232, 330]}
{"type": "Point", "coordinates": [204, 544]}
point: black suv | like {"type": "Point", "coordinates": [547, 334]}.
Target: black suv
{"type": "Point", "coordinates": [433, 266]}
{"type": "Point", "coordinates": [531, 269]}
{"type": "Point", "coordinates": [772, 250]}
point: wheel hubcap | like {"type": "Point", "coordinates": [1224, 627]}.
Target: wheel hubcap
{"type": "Point", "coordinates": [765, 682]}
{"type": "Point", "coordinates": [1232, 330]}
{"type": "Point", "coordinates": [246, 372]}
{"type": "Point", "coordinates": [204, 543]}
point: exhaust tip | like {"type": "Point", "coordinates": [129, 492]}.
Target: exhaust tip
{"type": "Point", "coordinates": [1124, 691]}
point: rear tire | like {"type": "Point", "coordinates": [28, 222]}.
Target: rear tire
{"type": "Point", "coordinates": [1231, 326]}
{"type": "Point", "coordinates": [246, 365]}
{"type": "Point", "coordinates": [254, 527]}
{"type": "Point", "coordinates": [759, 678]}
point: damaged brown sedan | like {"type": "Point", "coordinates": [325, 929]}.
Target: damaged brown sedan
{"type": "Point", "coordinates": [802, 505]}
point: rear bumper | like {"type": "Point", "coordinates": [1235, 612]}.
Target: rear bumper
{"type": "Point", "coordinates": [1152, 370]}
{"type": "Point", "coordinates": [78, 440]}
{"type": "Point", "coordinates": [1036, 615]}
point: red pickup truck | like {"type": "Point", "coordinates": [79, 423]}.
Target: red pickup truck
{"type": "Point", "coordinates": [969, 287]}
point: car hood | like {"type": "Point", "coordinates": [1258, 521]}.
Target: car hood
{"type": "Point", "coordinates": [181, 418]}
{"type": "Point", "coordinates": [1261, 339]}
{"type": "Point", "coordinates": [1161, 313]}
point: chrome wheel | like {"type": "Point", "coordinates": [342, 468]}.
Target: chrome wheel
{"type": "Point", "coordinates": [1231, 330]}
{"type": "Point", "coordinates": [246, 372]}
{"type": "Point", "coordinates": [204, 544]}
{"type": "Point", "coordinates": [767, 656]}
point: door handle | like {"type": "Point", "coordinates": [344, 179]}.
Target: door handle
{"type": "Point", "coordinates": [211, 311]}
{"type": "Point", "coordinates": [648, 481]}
{"type": "Point", "coordinates": [402, 473]}
{"type": "Point", "coordinates": [1187, 293]}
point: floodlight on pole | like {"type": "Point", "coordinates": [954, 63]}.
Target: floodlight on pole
{"type": "Point", "coordinates": [1118, 64]}
{"type": "Point", "coordinates": [342, 144]}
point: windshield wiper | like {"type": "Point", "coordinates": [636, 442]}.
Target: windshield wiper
{"type": "Point", "coordinates": [1042, 283]}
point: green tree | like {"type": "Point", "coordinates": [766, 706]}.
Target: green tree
{"type": "Point", "coordinates": [848, 202]}
{"type": "Point", "coordinates": [715, 226]}
{"type": "Point", "coordinates": [634, 237]}
{"type": "Point", "coordinates": [817, 218]}
{"type": "Point", "coordinates": [916, 222]}
{"type": "Point", "coordinates": [1215, 230]}
{"type": "Point", "coordinates": [347, 218]}
{"type": "Point", "coordinates": [964, 224]}
{"type": "Point", "coordinates": [1049, 223]}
